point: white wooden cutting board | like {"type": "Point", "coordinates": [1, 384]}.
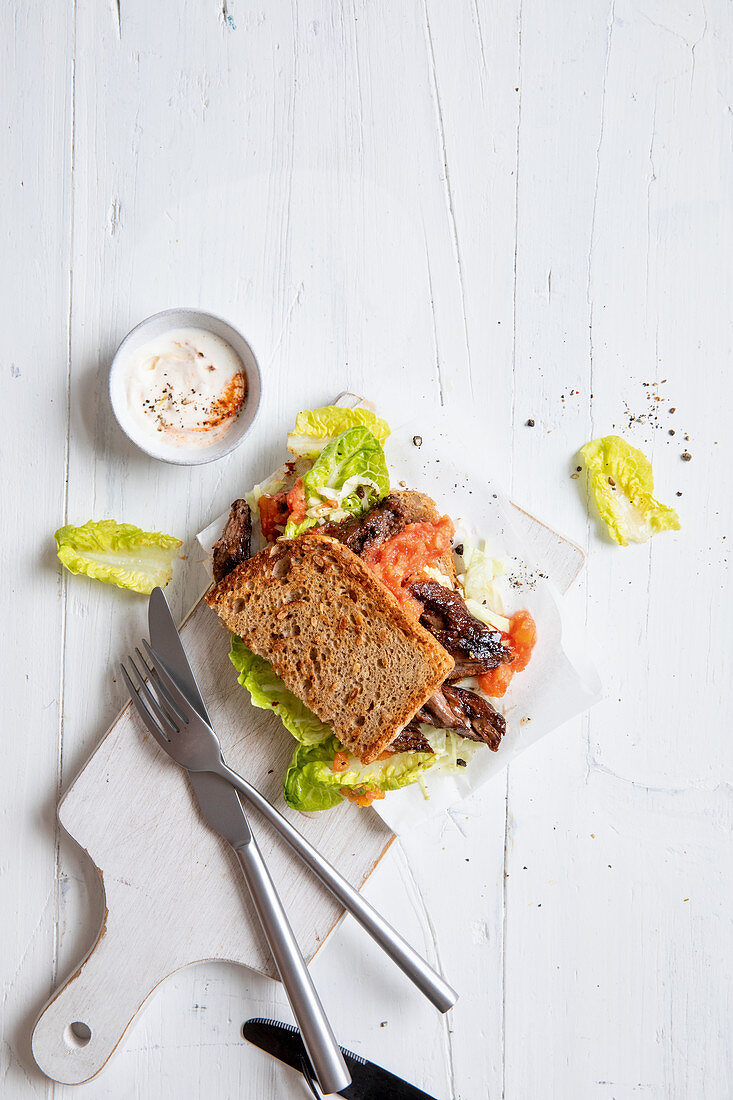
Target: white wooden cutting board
{"type": "Point", "coordinates": [174, 892]}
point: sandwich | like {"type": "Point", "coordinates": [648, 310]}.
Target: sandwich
{"type": "Point", "coordinates": [380, 642]}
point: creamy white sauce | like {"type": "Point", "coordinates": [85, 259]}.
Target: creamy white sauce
{"type": "Point", "coordinates": [186, 387]}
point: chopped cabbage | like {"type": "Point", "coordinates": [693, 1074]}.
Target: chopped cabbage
{"type": "Point", "coordinates": [478, 579]}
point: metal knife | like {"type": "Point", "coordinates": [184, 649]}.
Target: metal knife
{"type": "Point", "coordinates": [368, 1081]}
{"type": "Point", "coordinates": [220, 805]}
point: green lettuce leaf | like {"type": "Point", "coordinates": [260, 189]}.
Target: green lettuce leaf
{"type": "Point", "coordinates": [310, 782]}
{"type": "Point", "coordinates": [316, 428]}
{"type": "Point", "coordinates": [621, 480]}
{"type": "Point", "coordinates": [269, 693]}
{"type": "Point", "coordinates": [304, 786]}
{"type": "Point", "coordinates": [118, 553]}
{"type": "Point", "coordinates": [348, 477]}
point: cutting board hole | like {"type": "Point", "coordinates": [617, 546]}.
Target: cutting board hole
{"type": "Point", "coordinates": [77, 1034]}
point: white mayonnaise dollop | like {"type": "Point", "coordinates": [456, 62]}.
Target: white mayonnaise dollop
{"type": "Point", "coordinates": [186, 386]}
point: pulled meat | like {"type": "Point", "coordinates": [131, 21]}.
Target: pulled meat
{"type": "Point", "coordinates": [375, 526]}
{"type": "Point", "coordinates": [469, 666]}
{"type": "Point", "coordinates": [410, 739]}
{"type": "Point", "coordinates": [469, 714]}
{"type": "Point", "coordinates": [484, 721]}
{"type": "Point", "coordinates": [448, 619]}
{"type": "Point", "coordinates": [234, 546]}
{"type": "Point", "coordinates": [438, 712]}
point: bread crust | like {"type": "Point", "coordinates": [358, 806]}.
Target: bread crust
{"type": "Point", "coordinates": [336, 636]}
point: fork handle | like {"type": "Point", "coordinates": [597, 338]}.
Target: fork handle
{"type": "Point", "coordinates": [318, 1038]}
{"type": "Point", "coordinates": [410, 962]}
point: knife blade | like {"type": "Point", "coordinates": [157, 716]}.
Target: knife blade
{"type": "Point", "coordinates": [368, 1081]}
{"type": "Point", "coordinates": [217, 799]}
{"type": "Point", "coordinates": [165, 639]}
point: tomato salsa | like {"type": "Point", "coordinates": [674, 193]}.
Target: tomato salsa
{"type": "Point", "coordinates": [276, 509]}
{"type": "Point", "coordinates": [521, 639]}
{"type": "Point", "coordinates": [408, 552]}
{"type": "Point", "coordinates": [363, 795]}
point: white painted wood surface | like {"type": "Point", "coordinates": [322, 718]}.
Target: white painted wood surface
{"type": "Point", "coordinates": [502, 209]}
{"type": "Point", "coordinates": [132, 812]}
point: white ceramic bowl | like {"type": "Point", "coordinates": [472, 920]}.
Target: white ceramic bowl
{"type": "Point", "coordinates": [157, 325]}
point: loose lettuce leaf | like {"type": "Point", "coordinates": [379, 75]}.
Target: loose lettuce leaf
{"type": "Point", "coordinates": [316, 428]}
{"type": "Point", "coordinates": [310, 782]}
{"type": "Point", "coordinates": [269, 693]}
{"type": "Point", "coordinates": [621, 480]}
{"type": "Point", "coordinates": [118, 553]}
{"type": "Point", "coordinates": [355, 458]}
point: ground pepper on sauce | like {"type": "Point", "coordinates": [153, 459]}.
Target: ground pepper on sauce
{"type": "Point", "coordinates": [228, 403]}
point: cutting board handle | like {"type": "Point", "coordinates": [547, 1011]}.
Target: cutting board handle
{"type": "Point", "coordinates": [85, 1019]}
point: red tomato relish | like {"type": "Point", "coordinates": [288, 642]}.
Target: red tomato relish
{"type": "Point", "coordinates": [408, 552]}
{"type": "Point", "coordinates": [521, 639]}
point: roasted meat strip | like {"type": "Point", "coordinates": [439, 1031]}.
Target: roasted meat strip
{"type": "Point", "coordinates": [438, 712]}
{"type": "Point", "coordinates": [469, 666]}
{"type": "Point", "coordinates": [376, 525]}
{"type": "Point", "coordinates": [485, 722]}
{"type": "Point", "coordinates": [465, 712]}
{"type": "Point", "coordinates": [234, 546]}
{"type": "Point", "coordinates": [448, 619]}
{"type": "Point", "coordinates": [411, 739]}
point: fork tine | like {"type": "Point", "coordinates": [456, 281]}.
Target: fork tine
{"type": "Point", "coordinates": [147, 717]}
{"type": "Point", "coordinates": [164, 696]}
{"type": "Point", "coordinates": [169, 726]}
{"type": "Point", "coordinates": [182, 703]}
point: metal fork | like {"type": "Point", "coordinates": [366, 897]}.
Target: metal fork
{"type": "Point", "coordinates": [166, 719]}
{"type": "Point", "coordinates": [194, 744]}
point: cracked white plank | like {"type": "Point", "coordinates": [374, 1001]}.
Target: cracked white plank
{"type": "Point", "coordinates": [116, 8]}
{"type": "Point", "coordinates": [447, 189]}
{"type": "Point", "coordinates": [516, 235]}
{"type": "Point", "coordinates": [697, 42]}
{"type": "Point", "coordinates": [421, 908]}
{"type": "Point", "coordinates": [434, 328]}
{"type": "Point", "coordinates": [589, 293]}
{"type": "Point", "coordinates": [67, 460]}
{"type": "Point", "coordinates": [296, 300]}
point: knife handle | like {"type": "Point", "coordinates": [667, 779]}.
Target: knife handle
{"type": "Point", "coordinates": [318, 1038]}
{"type": "Point", "coordinates": [410, 962]}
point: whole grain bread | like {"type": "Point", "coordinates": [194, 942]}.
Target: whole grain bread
{"type": "Point", "coordinates": [336, 636]}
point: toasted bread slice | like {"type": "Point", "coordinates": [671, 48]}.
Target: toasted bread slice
{"type": "Point", "coordinates": [336, 636]}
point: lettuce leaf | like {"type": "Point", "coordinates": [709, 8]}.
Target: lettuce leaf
{"type": "Point", "coordinates": [310, 782]}
{"type": "Point", "coordinates": [348, 477]}
{"type": "Point", "coordinates": [306, 783]}
{"type": "Point", "coordinates": [316, 428]}
{"type": "Point", "coordinates": [621, 480]}
{"type": "Point", "coordinates": [118, 553]}
{"type": "Point", "coordinates": [268, 692]}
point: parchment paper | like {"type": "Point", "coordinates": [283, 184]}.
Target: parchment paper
{"type": "Point", "coordinates": [559, 682]}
